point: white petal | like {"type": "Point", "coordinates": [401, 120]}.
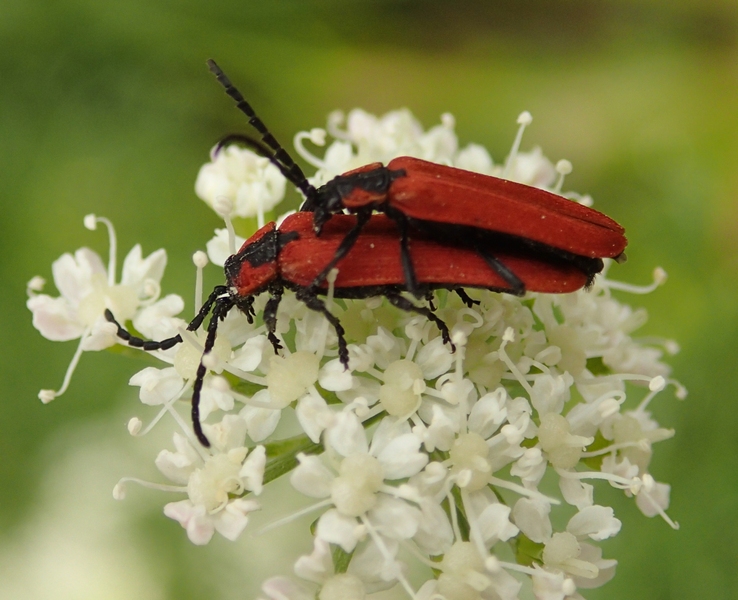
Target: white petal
{"type": "Point", "coordinates": [488, 413]}
{"type": "Point", "coordinates": [249, 356]}
{"type": "Point", "coordinates": [597, 522]}
{"type": "Point", "coordinates": [649, 503]}
{"type": "Point", "coordinates": [401, 458]}
{"type": "Point", "coordinates": [576, 492]}
{"type": "Point", "coordinates": [178, 465]}
{"type": "Point", "coordinates": [313, 415]}
{"type": "Point", "coordinates": [474, 158]}
{"type": "Point", "coordinates": [136, 269]}
{"type": "Point", "coordinates": [334, 377]}
{"type": "Point", "coordinates": [346, 436]}
{"type": "Point", "coordinates": [213, 398]}
{"type": "Point", "coordinates": [434, 359]}
{"type": "Point", "coordinates": [281, 588]}
{"type": "Point", "coordinates": [373, 567]}
{"type": "Point", "coordinates": [434, 534]}
{"type": "Point", "coordinates": [218, 249]}
{"type": "Point", "coordinates": [252, 471]}
{"type": "Point", "coordinates": [229, 433]}
{"type": "Point", "coordinates": [194, 519]}
{"type": "Point", "coordinates": [158, 386]}
{"type": "Point", "coordinates": [101, 336]}
{"type": "Point", "coordinates": [395, 518]}
{"type": "Point", "coordinates": [361, 387]}
{"type": "Point", "coordinates": [55, 318]}
{"type": "Point", "coordinates": [73, 275]}
{"type": "Point", "coordinates": [388, 429]}
{"type": "Point", "coordinates": [260, 422]}
{"type": "Point", "coordinates": [494, 523]}
{"type": "Point", "coordinates": [531, 516]}
{"type": "Point", "coordinates": [318, 565]}
{"type": "Point", "coordinates": [605, 566]}
{"type": "Point", "coordinates": [232, 520]}
{"type": "Point", "coordinates": [311, 477]}
{"type": "Point", "coordinates": [337, 529]}
{"type": "Point", "coordinates": [157, 321]}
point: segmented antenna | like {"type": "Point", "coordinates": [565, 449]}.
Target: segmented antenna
{"type": "Point", "coordinates": [291, 170]}
{"type": "Point", "coordinates": [260, 149]}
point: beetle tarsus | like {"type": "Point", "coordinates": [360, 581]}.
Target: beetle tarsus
{"type": "Point", "coordinates": [405, 304]}
{"type": "Point", "coordinates": [465, 298]}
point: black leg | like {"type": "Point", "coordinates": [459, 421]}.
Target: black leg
{"type": "Point", "coordinates": [517, 287]}
{"type": "Point", "coordinates": [344, 247]}
{"type": "Point", "coordinates": [405, 304]}
{"type": "Point", "coordinates": [465, 297]}
{"type": "Point", "coordinates": [219, 313]}
{"type": "Point", "coordinates": [411, 281]}
{"type": "Point", "coordinates": [314, 303]}
{"type": "Point", "coordinates": [270, 317]}
{"type": "Point", "coordinates": [429, 299]}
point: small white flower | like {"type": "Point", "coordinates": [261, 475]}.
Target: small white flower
{"type": "Point", "coordinates": [87, 289]}
{"type": "Point", "coordinates": [251, 182]}
{"type": "Point", "coordinates": [158, 386]}
{"type": "Point", "coordinates": [214, 485]}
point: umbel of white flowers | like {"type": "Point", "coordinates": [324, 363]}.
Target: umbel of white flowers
{"type": "Point", "coordinates": [413, 446]}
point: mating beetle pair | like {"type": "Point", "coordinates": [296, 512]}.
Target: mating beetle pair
{"type": "Point", "coordinates": [444, 228]}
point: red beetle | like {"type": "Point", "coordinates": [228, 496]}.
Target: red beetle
{"type": "Point", "coordinates": [292, 256]}
{"type": "Point", "coordinates": [452, 205]}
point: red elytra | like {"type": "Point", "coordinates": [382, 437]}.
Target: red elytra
{"type": "Point", "coordinates": [375, 261]}
{"type": "Point", "coordinates": [452, 205]}
{"type": "Point", "coordinates": [428, 191]}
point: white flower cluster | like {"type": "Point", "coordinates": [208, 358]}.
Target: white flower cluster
{"type": "Point", "coordinates": [469, 461]}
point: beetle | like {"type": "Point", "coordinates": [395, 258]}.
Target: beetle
{"type": "Point", "coordinates": [292, 255]}
{"type": "Point", "coordinates": [450, 204]}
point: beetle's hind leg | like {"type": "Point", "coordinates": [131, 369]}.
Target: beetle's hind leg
{"type": "Point", "coordinates": [517, 287]}
{"type": "Point", "coordinates": [344, 247]}
{"type": "Point", "coordinates": [404, 304]}
{"type": "Point", "coordinates": [314, 303]}
{"type": "Point", "coordinates": [270, 317]}
{"type": "Point", "coordinates": [430, 300]}
{"type": "Point", "coordinates": [465, 298]}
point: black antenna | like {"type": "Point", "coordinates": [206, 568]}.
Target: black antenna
{"type": "Point", "coordinates": [220, 303]}
{"type": "Point", "coordinates": [293, 172]}
{"type": "Point", "coordinates": [260, 149]}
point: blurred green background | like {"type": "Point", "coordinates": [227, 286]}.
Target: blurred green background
{"type": "Point", "coordinates": [107, 107]}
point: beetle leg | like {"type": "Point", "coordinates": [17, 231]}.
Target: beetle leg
{"type": "Point", "coordinates": [270, 317]}
{"type": "Point", "coordinates": [411, 281]}
{"type": "Point", "coordinates": [219, 313]}
{"type": "Point", "coordinates": [517, 287]}
{"type": "Point", "coordinates": [344, 247]}
{"type": "Point", "coordinates": [307, 295]}
{"type": "Point", "coordinates": [465, 298]}
{"type": "Point", "coordinates": [429, 299]}
{"type": "Point", "coordinates": [405, 304]}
